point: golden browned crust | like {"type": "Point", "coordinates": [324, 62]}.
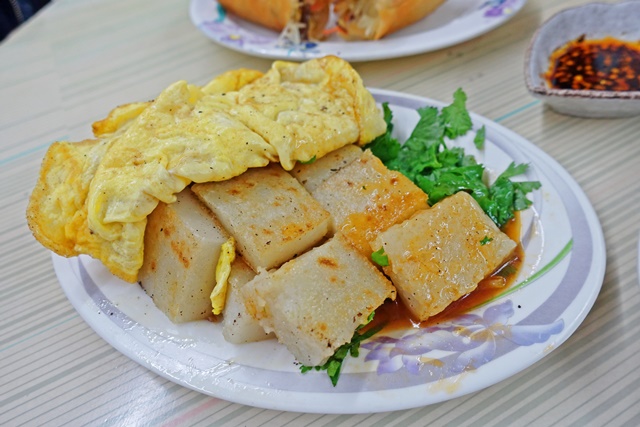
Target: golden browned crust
{"type": "Point", "coordinates": [78, 182]}
{"type": "Point", "coordinates": [276, 14]}
{"type": "Point", "coordinates": [57, 210]}
{"type": "Point", "coordinates": [50, 230]}
{"type": "Point", "coordinates": [231, 81]}
{"type": "Point", "coordinates": [118, 117]}
{"type": "Point", "coordinates": [386, 16]}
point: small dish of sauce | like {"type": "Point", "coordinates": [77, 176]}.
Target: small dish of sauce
{"type": "Point", "coordinates": [585, 61]}
{"type": "Point", "coordinates": [607, 64]}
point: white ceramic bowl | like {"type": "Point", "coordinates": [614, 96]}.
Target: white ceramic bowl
{"type": "Point", "coordinates": [594, 21]}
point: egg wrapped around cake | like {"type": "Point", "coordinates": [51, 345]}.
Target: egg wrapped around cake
{"type": "Point", "coordinates": [166, 184]}
{"type": "Point", "coordinates": [95, 198]}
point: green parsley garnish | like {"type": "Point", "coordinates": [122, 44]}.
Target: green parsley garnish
{"type": "Point", "coordinates": [442, 171]}
{"type": "Point", "coordinates": [480, 137]}
{"type": "Point", "coordinates": [507, 270]}
{"type": "Point", "coordinates": [308, 162]}
{"type": "Point", "coordinates": [334, 364]}
{"type": "Point", "coordinates": [485, 240]}
{"type": "Point", "coordinates": [380, 258]}
{"type": "Point", "coordinates": [455, 117]}
{"type": "Point", "coordinates": [385, 147]}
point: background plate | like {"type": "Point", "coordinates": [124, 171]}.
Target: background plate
{"type": "Point", "coordinates": [557, 286]}
{"type": "Point", "coordinates": [455, 21]}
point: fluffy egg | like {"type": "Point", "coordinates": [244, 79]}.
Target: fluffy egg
{"type": "Point", "coordinates": [94, 197]}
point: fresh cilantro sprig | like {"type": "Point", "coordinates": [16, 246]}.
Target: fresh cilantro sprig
{"type": "Point", "coordinates": [486, 240]}
{"type": "Point", "coordinates": [480, 137]}
{"type": "Point", "coordinates": [455, 117]}
{"type": "Point", "coordinates": [380, 258]}
{"type": "Point", "coordinates": [442, 171]}
{"type": "Point", "coordinates": [334, 364]}
{"type": "Point", "coordinates": [386, 147]}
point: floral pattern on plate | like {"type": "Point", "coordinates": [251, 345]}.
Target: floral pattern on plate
{"type": "Point", "coordinates": [453, 22]}
{"type": "Point", "coordinates": [558, 285]}
{"type": "Point", "coordinates": [469, 341]}
{"type": "Point", "coordinates": [497, 8]}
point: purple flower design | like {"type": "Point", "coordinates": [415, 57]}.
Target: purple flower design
{"type": "Point", "coordinates": [228, 32]}
{"type": "Point", "coordinates": [463, 344]}
{"type": "Point", "coordinates": [305, 47]}
{"type": "Point", "coordinates": [497, 8]}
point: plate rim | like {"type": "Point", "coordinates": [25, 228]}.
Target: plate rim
{"type": "Point", "coordinates": [360, 50]}
{"type": "Point", "coordinates": [253, 397]}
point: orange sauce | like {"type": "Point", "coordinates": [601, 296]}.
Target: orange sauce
{"type": "Point", "coordinates": [604, 64]}
{"type": "Point", "coordinates": [394, 315]}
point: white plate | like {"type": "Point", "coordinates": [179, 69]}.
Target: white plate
{"type": "Point", "coordinates": [455, 21]}
{"type": "Point", "coordinates": [561, 277]}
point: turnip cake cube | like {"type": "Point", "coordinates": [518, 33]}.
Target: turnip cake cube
{"type": "Point", "coordinates": [313, 174]}
{"type": "Point", "coordinates": [315, 302]}
{"type": "Point", "coordinates": [440, 254]}
{"type": "Point", "coordinates": [365, 198]}
{"type": "Point", "coordinates": [181, 248]}
{"type": "Point", "coordinates": [272, 217]}
{"type": "Point", "coordinates": [238, 326]}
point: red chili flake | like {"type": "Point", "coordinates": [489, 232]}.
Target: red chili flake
{"type": "Point", "coordinates": [604, 64]}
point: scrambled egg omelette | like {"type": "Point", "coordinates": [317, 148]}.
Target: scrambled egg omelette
{"type": "Point", "coordinates": [93, 197]}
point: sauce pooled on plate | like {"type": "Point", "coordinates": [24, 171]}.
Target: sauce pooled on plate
{"type": "Point", "coordinates": [394, 315]}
